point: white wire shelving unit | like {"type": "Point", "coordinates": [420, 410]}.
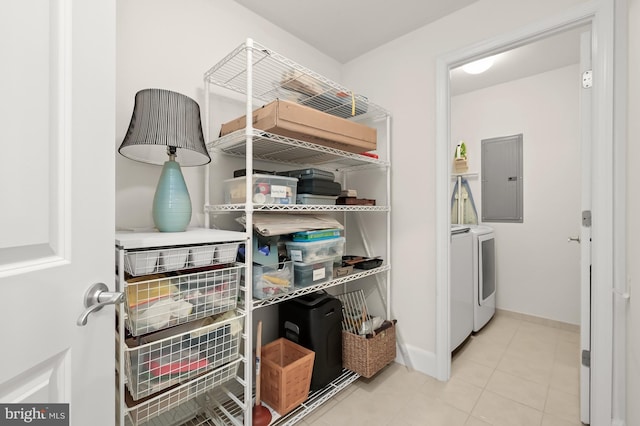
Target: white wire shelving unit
{"type": "Point", "coordinates": [260, 75]}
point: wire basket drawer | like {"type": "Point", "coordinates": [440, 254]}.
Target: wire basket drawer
{"type": "Point", "coordinates": [157, 361]}
{"type": "Point", "coordinates": [166, 403]}
{"type": "Point", "coordinates": [159, 301]}
{"type": "Point", "coordinates": [161, 259]}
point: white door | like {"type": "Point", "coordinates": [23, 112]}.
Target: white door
{"type": "Point", "coordinates": [585, 229]}
{"type": "Point", "coordinates": [57, 183]}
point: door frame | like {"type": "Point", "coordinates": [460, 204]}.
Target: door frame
{"type": "Point", "coordinates": [608, 189]}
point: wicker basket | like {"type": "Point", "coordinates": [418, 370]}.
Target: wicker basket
{"type": "Point", "coordinates": [285, 375]}
{"type": "Point", "coordinates": [367, 356]}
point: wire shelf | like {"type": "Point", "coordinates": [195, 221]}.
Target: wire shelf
{"type": "Point", "coordinates": [173, 402]}
{"type": "Point", "coordinates": [275, 148]}
{"type": "Point", "coordinates": [295, 207]}
{"type": "Point", "coordinates": [145, 262]}
{"type": "Point", "coordinates": [225, 405]}
{"type": "Point", "coordinates": [317, 398]}
{"type": "Point", "coordinates": [159, 302]}
{"type": "Point", "coordinates": [222, 404]}
{"type": "Point", "coordinates": [277, 77]}
{"type": "Point", "coordinates": [312, 288]}
{"type": "Point", "coordinates": [160, 360]}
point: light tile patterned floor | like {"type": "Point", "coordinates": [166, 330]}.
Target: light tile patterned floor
{"type": "Point", "coordinates": [514, 372]}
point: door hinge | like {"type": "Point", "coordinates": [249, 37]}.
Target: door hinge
{"type": "Point", "coordinates": [586, 218]}
{"type": "Point", "coordinates": [587, 79]}
{"type": "Point", "coordinates": [586, 358]}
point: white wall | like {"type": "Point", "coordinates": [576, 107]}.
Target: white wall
{"type": "Point", "coordinates": [633, 213]}
{"type": "Point", "coordinates": [538, 272]}
{"type": "Point", "coordinates": [171, 44]}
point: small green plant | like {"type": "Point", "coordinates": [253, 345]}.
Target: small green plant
{"type": "Point", "coordinates": [461, 151]}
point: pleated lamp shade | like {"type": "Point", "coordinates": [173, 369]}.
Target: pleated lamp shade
{"type": "Point", "coordinates": [166, 126]}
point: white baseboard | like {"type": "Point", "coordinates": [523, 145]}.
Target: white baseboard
{"type": "Point", "coordinates": [617, 422]}
{"type": "Point", "coordinates": [539, 320]}
{"type": "Point", "coordinates": [417, 359]}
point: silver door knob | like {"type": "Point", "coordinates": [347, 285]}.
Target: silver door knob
{"type": "Point", "coordinates": [576, 239]}
{"type": "Point", "coordinates": [96, 297]}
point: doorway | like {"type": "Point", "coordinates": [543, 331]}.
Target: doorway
{"type": "Point", "coordinates": [524, 132]}
{"type": "Point", "coordinates": [605, 235]}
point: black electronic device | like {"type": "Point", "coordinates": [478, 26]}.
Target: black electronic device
{"type": "Point", "coordinates": [315, 322]}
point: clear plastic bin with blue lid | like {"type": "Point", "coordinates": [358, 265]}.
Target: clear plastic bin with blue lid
{"type": "Point", "coordinates": [316, 250]}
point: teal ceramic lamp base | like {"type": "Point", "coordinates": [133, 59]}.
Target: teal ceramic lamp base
{"type": "Point", "coordinates": [171, 203]}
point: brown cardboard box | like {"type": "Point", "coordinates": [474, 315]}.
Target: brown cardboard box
{"type": "Point", "coordinates": [310, 125]}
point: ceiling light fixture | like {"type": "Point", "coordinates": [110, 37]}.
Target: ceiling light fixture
{"type": "Point", "coordinates": [479, 66]}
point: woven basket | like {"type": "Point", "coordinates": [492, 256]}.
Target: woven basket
{"type": "Point", "coordinates": [367, 356]}
{"type": "Point", "coordinates": [285, 375]}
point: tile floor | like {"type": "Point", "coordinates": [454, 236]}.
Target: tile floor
{"type": "Point", "coordinates": [514, 372]}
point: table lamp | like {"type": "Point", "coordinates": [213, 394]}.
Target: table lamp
{"type": "Point", "coordinates": [166, 123]}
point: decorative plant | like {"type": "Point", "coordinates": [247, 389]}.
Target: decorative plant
{"type": "Point", "coordinates": [461, 151]}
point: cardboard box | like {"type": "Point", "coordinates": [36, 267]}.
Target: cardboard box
{"type": "Point", "coordinates": [310, 125]}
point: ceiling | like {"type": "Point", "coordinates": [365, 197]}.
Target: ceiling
{"type": "Point", "coordinates": [346, 29]}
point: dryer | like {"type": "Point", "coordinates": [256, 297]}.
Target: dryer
{"type": "Point", "coordinates": [484, 275]}
{"type": "Point", "coordinates": [461, 290]}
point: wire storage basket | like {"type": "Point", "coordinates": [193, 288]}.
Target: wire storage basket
{"type": "Point", "coordinates": [154, 302]}
{"type": "Point", "coordinates": [160, 360]}
{"type": "Point", "coordinates": [167, 259]}
{"type": "Point", "coordinates": [155, 406]}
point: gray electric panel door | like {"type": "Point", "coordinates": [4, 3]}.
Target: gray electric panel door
{"type": "Point", "coordinates": [502, 179]}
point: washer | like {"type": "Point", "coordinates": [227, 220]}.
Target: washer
{"type": "Point", "coordinates": [461, 291]}
{"type": "Point", "coordinates": [484, 275]}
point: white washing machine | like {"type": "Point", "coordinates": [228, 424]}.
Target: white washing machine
{"type": "Point", "coordinates": [461, 290]}
{"type": "Point", "coordinates": [484, 275]}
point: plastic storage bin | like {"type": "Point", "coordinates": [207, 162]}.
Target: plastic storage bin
{"type": "Point", "coordinates": [272, 280]}
{"type": "Point", "coordinates": [313, 251]}
{"type": "Point", "coordinates": [323, 200]}
{"type": "Point", "coordinates": [306, 274]}
{"type": "Point", "coordinates": [267, 189]}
